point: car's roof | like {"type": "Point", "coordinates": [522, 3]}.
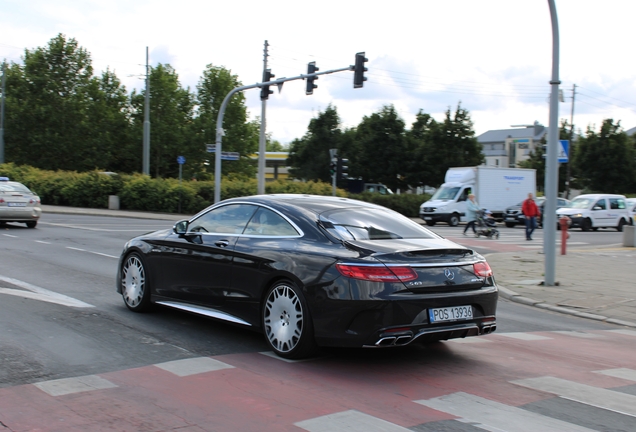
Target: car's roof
{"type": "Point", "coordinates": [315, 203]}
{"type": "Point", "coordinates": [599, 196]}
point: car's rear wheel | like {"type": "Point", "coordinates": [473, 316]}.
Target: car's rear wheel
{"type": "Point", "coordinates": [620, 226]}
{"type": "Point", "coordinates": [31, 224]}
{"type": "Point", "coordinates": [287, 322]}
{"type": "Point", "coordinates": [134, 283]}
{"type": "Point", "coordinates": [430, 223]}
{"type": "Point", "coordinates": [510, 224]}
{"type": "Point", "coordinates": [453, 220]}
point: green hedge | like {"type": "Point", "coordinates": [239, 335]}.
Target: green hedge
{"type": "Point", "coordinates": [140, 192]}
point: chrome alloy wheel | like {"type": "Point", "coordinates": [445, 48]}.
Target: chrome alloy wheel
{"type": "Point", "coordinates": [133, 282]}
{"type": "Point", "coordinates": [283, 318]}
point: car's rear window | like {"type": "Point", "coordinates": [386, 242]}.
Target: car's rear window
{"type": "Point", "coordinates": [372, 224]}
{"type": "Point", "coordinates": [13, 187]}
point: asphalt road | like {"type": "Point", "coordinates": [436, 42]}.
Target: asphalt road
{"type": "Point", "coordinates": [75, 324]}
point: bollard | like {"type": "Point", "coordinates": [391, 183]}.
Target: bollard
{"type": "Point", "coordinates": [564, 223]}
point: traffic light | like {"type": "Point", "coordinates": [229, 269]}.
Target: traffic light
{"type": "Point", "coordinates": [311, 68]}
{"type": "Point", "coordinates": [333, 165]}
{"type": "Point", "coordinates": [359, 70]}
{"type": "Point", "coordinates": [265, 91]}
{"type": "Point", "coordinates": [342, 170]}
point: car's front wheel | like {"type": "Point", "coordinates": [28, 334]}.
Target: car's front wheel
{"type": "Point", "coordinates": [134, 283]}
{"type": "Point", "coordinates": [287, 322]}
{"type": "Point", "coordinates": [453, 220]}
{"type": "Point", "coordinates": [430, 223]}
{"type": "Point", "coordinates": [31, 224]}
{"type": "Point", "coordinates": [510, 224]}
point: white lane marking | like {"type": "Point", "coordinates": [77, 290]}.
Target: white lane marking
{"type": "Point", "coordinates": [622, 373]}
{"type": "Point", "coordinates": [95, 253]}
{"type": "Point", "coordinates": [43, 242]}
{"type": "Point", "coordinates": [598, 397]}
{"type": "Point", "coordinates": [66, 386]}
{"type": "Point", "coordinates": [104, 229]}
{"type": "Point", "coordinates": [37, 293]}
{"type": "Point", "coordinates": [103, 254]}
{"type": "Point", "coordinates": [524, 336]}
{"type": "Point", "coordinates": [624, 332]}
{"type": "Point", "coordinates": [469, 340]}
{"type": "Point", "coordinates": [496, 417]}
{"type": "Point", "coordinates": [350, 421]}
{"type": "Point", "coordinates": [9, 235]}
{"type": "Point", "coordinates": [193, 366]}
{"type": "Point", "coordinates": [577, 334]}
{"type": "Point", "coordinates": [277, 357]}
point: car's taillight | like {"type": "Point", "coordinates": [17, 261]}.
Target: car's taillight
{"type": "Point", "coordinates": [482, 269]}
{"type": "Point", "coordinates": [377, 273]}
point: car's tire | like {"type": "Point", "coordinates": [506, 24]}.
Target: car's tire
{"type": "Point", "coordinates": [135, 289]}
{"type": "Point", "coordinates": [510, 224]}
{"type": "Point", "coordinates": [453, 220]}
{"type": "Point", "coordinates": [287, 322]}
{"type": "Point", "coordinates": [586, 225]}
{"type": "Point", "coordinates": [31, 224]}
{"type": "Point", "coordinates": [430, 223]}
{"type": "Point", "coordinates": [620, 226]}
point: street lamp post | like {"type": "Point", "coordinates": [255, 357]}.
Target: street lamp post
{"type": "Point", "coordinates": [551, 164]}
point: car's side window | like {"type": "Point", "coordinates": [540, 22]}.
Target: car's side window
{"type": "Point", "coordinates": [230, 219]}
{"type": "Point", "coordinates": [617, 204]}
{"type": "Point", "coordinates": [600, 205]}
{"type": "Point", "coordinates": [268, 223]}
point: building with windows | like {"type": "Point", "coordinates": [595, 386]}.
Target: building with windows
{"type": "Point", "coordinates": [507, 147]}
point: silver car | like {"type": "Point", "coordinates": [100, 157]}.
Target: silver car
{"type": "Point", "coordinates": [18, 203]}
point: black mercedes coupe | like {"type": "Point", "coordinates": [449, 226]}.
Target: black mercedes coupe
{"type": "Point", "coordinates": [310, 271]}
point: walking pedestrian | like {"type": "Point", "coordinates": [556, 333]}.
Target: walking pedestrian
{"type": "Point", "coordinates": [530, 212]}
{"type": "Point", "coordinates": [472, 208]}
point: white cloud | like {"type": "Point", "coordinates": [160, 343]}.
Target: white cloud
{"type": "Point", "coordinates": [495, 56]}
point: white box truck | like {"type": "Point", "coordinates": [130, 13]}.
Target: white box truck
{"type": "Point", "coordinates": [494, 189]}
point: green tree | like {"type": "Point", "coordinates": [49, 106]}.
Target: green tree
{"type": "Point", "coordinates": [47, 120]}
{"type": "Point", "coordinates": [309, 156]}
{"type": "Point", "coordinates": [240, 135]}
{"type": "Point", "coordinates": [381, 148]}
{"type": "Point", "coordinates": [438, 146]}
{"type": "Point", "coordinates": [171, 111]}
{"type": "Point", "coordinates": [606, 160]}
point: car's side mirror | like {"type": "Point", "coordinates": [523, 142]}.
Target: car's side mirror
{"type": "Point", "coordinates": [181, 227]}
{"type": "Point", "coordinates": [597, 208]}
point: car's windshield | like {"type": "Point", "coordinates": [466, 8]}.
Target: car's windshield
{"type": "Point", "coordinates": [372, 224]}
{"type": "Point", "coordinates": [581, 203]}
{"type": "Point", "coordinates": [446, 193]}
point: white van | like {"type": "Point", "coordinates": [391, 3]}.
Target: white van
{"type": "Point", "coordinates": [593, 211]}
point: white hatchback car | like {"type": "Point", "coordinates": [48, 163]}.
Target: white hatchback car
{"type": "Point", "coordinates": [593, 211]}
{"type": "Point", "coordinates": [18, 203]}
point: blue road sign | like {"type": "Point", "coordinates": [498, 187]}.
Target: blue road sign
{"type": "Point", "coordinates": [563, 151]}
{"type": "Point", "coordinates": [180, 160]}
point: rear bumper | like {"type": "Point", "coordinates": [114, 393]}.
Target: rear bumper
{"type": "Point", "coordinates": [390, 323]}
{"type": "Point", "coordinates": [20, 214]}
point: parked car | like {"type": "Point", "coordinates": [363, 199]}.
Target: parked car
{"type": "Point", "coordinates": [18, 203]}
{"type": "Point", "coordinates": [631, 206]}
{"type": "Point", "coordinates": [514, 216]}
{"type": "Point", "coordinates": [310, 271]}
{"type": "Point", "coordinates": [594, 211]}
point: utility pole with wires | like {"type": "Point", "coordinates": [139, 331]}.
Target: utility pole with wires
{"type": "Point", "coordinates": [146, 139]}
{"type": "Point", "coordinates": [567, 175]}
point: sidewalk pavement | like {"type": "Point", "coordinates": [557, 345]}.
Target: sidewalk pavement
{"type": "Point", "coordinates": [594, 283]}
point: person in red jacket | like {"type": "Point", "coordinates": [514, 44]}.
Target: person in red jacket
{"type": "Point", "coordinates": [530, 211]}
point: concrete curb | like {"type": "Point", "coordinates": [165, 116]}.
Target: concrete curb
{"type": "Point", "coordinates": [517, 298]}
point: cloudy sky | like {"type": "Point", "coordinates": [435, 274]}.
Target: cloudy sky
{"type": "Point", "coordinates": [492, 56]}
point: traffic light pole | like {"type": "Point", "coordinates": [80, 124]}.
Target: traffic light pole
{"type": "Point", "coordinates": [219, 120]}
